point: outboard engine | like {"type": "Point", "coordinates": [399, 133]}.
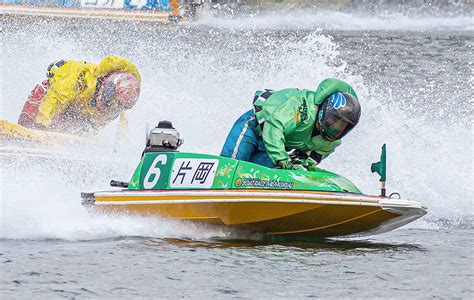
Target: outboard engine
{"type": "Point", "coordinates": [163, 138]}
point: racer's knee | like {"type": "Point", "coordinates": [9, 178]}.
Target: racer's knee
{"type": "Point", "coordinates": [262, 158]}
{"type": "Point", "coordinates": [242, 139]}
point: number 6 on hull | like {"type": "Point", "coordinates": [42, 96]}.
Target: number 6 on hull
{"type": "Point", "coordinates": [154, 170]}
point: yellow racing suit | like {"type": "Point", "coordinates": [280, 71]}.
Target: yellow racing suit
{"type": "Point", "coordinates": [72, 88]}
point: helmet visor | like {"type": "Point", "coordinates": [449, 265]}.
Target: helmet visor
{"type": "Point", "coordinates": [333, 127]}
{"type": "Point", "coordinates": [109, 95]}
{"type": "Point", "coordinates": [119, 91]}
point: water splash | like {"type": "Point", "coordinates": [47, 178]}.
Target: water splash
{"type": "Point", "coordinates": [202, 79]}
{"type": "Point", "coordinates": [340, 20]}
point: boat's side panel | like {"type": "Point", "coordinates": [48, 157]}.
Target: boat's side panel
{"type": "Point", "coordinates": [279, 212]}
{"type": "Point", "coordinates": [227, 213]}
{"type": "Point", "coordinates": [10, 132]}
{"type": "Point", "coordinates": [182, 171]}
{"type": "Point", "coordinates": [173, 170]}
{"type": "Point", "coordinates": [331, 220]}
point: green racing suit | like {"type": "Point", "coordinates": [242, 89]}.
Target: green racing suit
{"type": "Point", "coordinates": [286, 119]}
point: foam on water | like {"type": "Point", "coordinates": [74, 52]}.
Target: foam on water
{"type": "Point", "coordinates": [203, 85]}
{"type": "Point", "coordinates": [331, 20]}
{"type": "Point", "coordinates": [42, 202]}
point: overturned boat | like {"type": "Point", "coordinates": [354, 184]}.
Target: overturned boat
{"type": "Point", "coordinates": [245, 196]}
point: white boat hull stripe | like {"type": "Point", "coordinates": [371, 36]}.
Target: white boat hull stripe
{"type": "Point", "coordinates": [247, 195]}
{"type": "Point", "coordinates": [385, 205]}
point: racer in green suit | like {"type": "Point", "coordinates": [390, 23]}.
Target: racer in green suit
{"type": "Point", "coordinates": [291, 119]}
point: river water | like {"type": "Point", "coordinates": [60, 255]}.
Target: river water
{"type": "Point", "coordinates": [413, 72]}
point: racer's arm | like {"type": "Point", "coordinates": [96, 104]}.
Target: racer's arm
{"type": "Point", "coordinates": [322, 148]}
{"type": "Point", "coordinates": [56, 100]}
{"type": "Point", "coordinates": [283, 121]}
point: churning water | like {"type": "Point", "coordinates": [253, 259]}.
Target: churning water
{"type": "Point", "coordinates": [412, 72]}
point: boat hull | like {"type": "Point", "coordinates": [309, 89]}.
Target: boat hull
{"type": "Point", "coordinates": [276, 212]}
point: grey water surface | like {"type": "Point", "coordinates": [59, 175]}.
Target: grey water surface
{"type": "Point", "coordinates": [404, 264]}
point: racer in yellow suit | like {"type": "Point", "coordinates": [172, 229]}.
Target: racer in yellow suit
{"type": "Point", "coordinates": [79, 97]}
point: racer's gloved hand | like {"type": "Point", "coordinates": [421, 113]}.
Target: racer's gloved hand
{"type": "Point", "coordinates": [295, 155]}
{"type": "Point", "coordinates": [283, 164]}
{"type": "Point", "coordinates": [304, 157]}
{"type": "Point", "coordinates": [288, 165]}
{"type": "Point", "coordinates": [299, 167]}
{"type": "Point", "coordinates": [312, 168]}
{"type": "Point", "coordinates": [311, 162]}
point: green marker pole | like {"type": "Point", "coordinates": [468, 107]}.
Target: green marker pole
{"type": "Point", "coordinates": [381, 169]}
